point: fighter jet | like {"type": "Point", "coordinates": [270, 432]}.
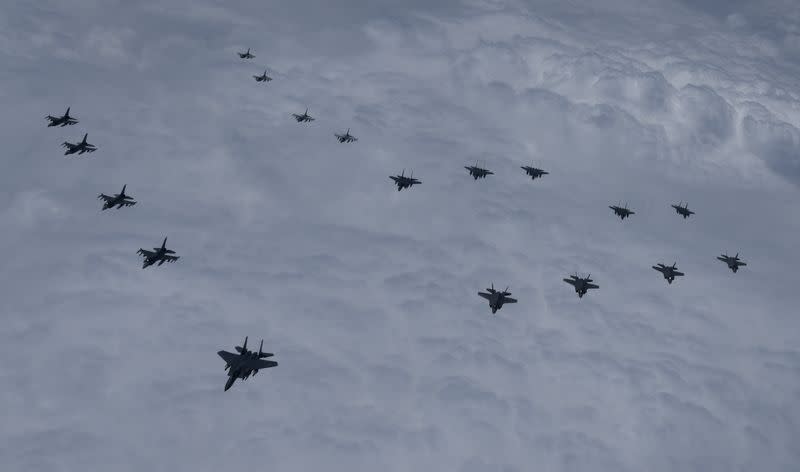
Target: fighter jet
{"type": "Point", "coordinates": [534, 172]}
{"type": "Point", "coordinates": [478, 172]}
{"type": "Point", "coordinates": [61, 120]}
{"type": "Point", "coordinates": [404, 182]}
{"type": "Point", "coordinates": [246, 55]}
{"type": "Point", "coordinates": [622, 212]}
{"type": "Point", "coordinates": [670, 272]}
{"type": "Point", "coordinates": [263, 77]}
{"type": "Point", "coordinates": [80, 147]}
{"type": "Point", "coordinates": [684, 210]}
{"type": "Point", "coordinates": [305, 117]}
{"type": "Point", "coordinates": [119, 200]}
{"type": "Point", "coordinates": [733, 262]}
{"type": "Point", "coordinates": [159, 254]}
{"type": "Point", "coordinates": [497, 299]}
{"type": "Point", "coordinates": [582, 285]}
{"type": "Point", "coordinates": [346, 137]}
{"type": "Point", "coordinates": [242, 365]}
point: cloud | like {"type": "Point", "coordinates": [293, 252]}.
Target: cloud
{"type": "Point", "coordinates": [367, 296]}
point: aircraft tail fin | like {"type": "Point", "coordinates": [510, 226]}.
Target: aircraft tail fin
{"type": "Point", "coordinates": [123, 189]}
{"type": "Point", "coordinates": [244, 346]}
{"type": "Point", "coordinates": [164, 244]}
{"type": "Point", "coordinates": [67, 113]}
{"type": "Point", "coordinates": [84, 137]}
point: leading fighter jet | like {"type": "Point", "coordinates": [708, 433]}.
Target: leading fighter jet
{"type": "Point", "coordinates": [534, 172]}
{"type": "Point", "coordinates": [246, 55]}
{"type": "Point", "coordinates": [497, 299]}
{"type": "Point", "coordinates": [622, 212]}
{"type": "Point", "coordinates": [119, 200]}
{"type": "Point", "coordinates": [305, 117]}
{"type": "Point", "coordinates": [684, 210]}
{"type": "Point", "coordinates": [582, 285]}
{"type": "Point", "coordinates": [263, 77]}
{"type": "Point", "coordinates": [404, 182]}
{"type": "Point", "coordinates": [733, 262]}
{"type": "Point", "coordinates": [80, 147]}
{"type": "Point", "coordinates": [61, 120]}
{"type": "Point", "coordinates": [478, 172]}
{"type": "Point", "coordinates": [242, 365]}
{"type": "Point", "coordinates": [158, 254]}
{"type": "Point", "coordinates": [346, 137]}
{"type": "Point", "coordinates": [669, 272]}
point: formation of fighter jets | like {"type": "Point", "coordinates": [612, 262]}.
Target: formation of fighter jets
{"type": "Point", "coordinates": [246, 363]}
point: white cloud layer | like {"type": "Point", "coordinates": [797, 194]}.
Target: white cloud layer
{"type": "Point", "coordinates": [388, 359]}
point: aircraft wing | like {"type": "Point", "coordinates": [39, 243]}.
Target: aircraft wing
{"type": "Point", "coordinates": [740, 263]}
{"type": "Point", "coordinates": [570, 281]}
{"type": "Point", "coordinates": [228, 357]}
{"type": "Point", "coordinates": [509, 300]}
{"type": "Point", "coordinates": [260, 364]}
{"type": "Point", "coordinates": [171, 258]}
{"type": "Point", "coordinates": [660, 269]}
{"type": "Point", "coordinates": [145, 253]}
{"type": "Point", "coordinates": [677, 274]}
{"type": "Point", "coordinates": [485, 295]}
{"type": "Point", "coordinates": [105, 197]}
{"type": "Point", "coordinates": [126, 203]}
{"type": "Point", "coordinates": [592, 286]}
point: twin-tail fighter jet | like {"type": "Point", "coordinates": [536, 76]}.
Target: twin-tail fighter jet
{"type": "Point", "coordinates": [533, 172]}
{"type": "Point", "coordinates": [263, 77]}
{"type": "Point", "coordinates": [61, 120]}
{"type": "Point", "coordinates": [158, 254]}
{"type": "Point", "coordinates": [733, 262]}
{"type": "Point", "coordinates": [119, 200]}
{"type": "Point", "coordinates": [305, 117]}
{"type": "Point", "coordinates": [669, 272]}
{"type": "Point", "coordinates": [80, 147]}
{"type": "Point", "coordinates": [242, 365]}
{"type": "Point", "coordinates": [246, 55]}
{"type": "Point", "coordinates": [346, 137]}
{"type": "Point", "coordinates": [582, 285]}
{"type": "Point", "coordinates": [497, 299]}
{"type": "Point", "coordinates": [684, 210]}
{"type": "Point", "coordinates": [623, 212]}
{"type": "Point", "coordinates": [478, 172]}
{"type": "Point", "coordinates": [404, 182]}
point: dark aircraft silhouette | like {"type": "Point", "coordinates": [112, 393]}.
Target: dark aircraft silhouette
{"type": "Point", "coordinates": [478, 172]}
{"type": "Point", "coordinates": [404, 182]}
{"type": "Point", "coordinates": [684, 210]}
{"type": "Point", "coordinates": [582, 285]}
{"type": "Point", "coordinates": [622, 212]}
{"type": "Point", "coordinates": [80, 147]}
{"type": "Point", "coordinates": [61, 120]}
{"type": "Point", "coordinates": [497, 299]}
{"type": "Point", "coordinates": [263, 77]}
{"type": "Point", "coordinates": [534, 172]}
{"type": "Point", "coordinates": [119, 200]}
{"type": "Point", "coordinates": [246, 55]}
{"type": "Point", "coordinates": [669, 272]}
{"type": "Point", "coordinates": [346, 137]}
{"type": "Point", "coordinates": [305, 117]}
{"type": "Point", "coordinates": [159, 254]}
{"type": "Point", "coordinates": [242, 365]}
{"type": "Point", "coordinates": [733, 262]}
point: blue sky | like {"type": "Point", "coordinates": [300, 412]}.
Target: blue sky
{"type": "Point", "coordinates": [368, 296]}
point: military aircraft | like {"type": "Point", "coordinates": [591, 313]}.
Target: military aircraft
{"type": "Point", "coordinates": [242, 365]}
{"type": "Point", "coordinates": [497, 299]}
{"type": "Point", "coordinates": [478, 172]}
{"type": "Point", "coordinates": [684, 210]}
{"type": "Point", "coordinates": [346, 137]}
{"type": "Point", "coordinates": [534, 172]}
{"type": "Point", "coordinates": [61, 120]}
{"type": "Point", "coordinates": [159, 254]}
{"type": "Point", "coordinates": [80, 147]}
{"type": "Point", "coordinates": [733, 262]}
{"type": "Point", "coordinates": [669, 272]}
{"type": "Point", "coordinates": [404, 182]}
{"type": "Point", "coordinates": [263, 77]}
{"type": "Point", "coordinates": [622, 212]}
{"type": "Point", "coordinates": [119, 200]}
{"type": "Point", "coordinates": [582, 285]}
{"type": "Point", "coordinates": [305, 117]}
{"type": "Point", "coordinates": [246, 55]}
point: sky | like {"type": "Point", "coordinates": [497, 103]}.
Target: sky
{"type": "Point", "coordinates": [387, 357]}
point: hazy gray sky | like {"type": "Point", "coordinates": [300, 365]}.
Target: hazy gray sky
{"type": "Point", "coordinates": [388, 358]}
